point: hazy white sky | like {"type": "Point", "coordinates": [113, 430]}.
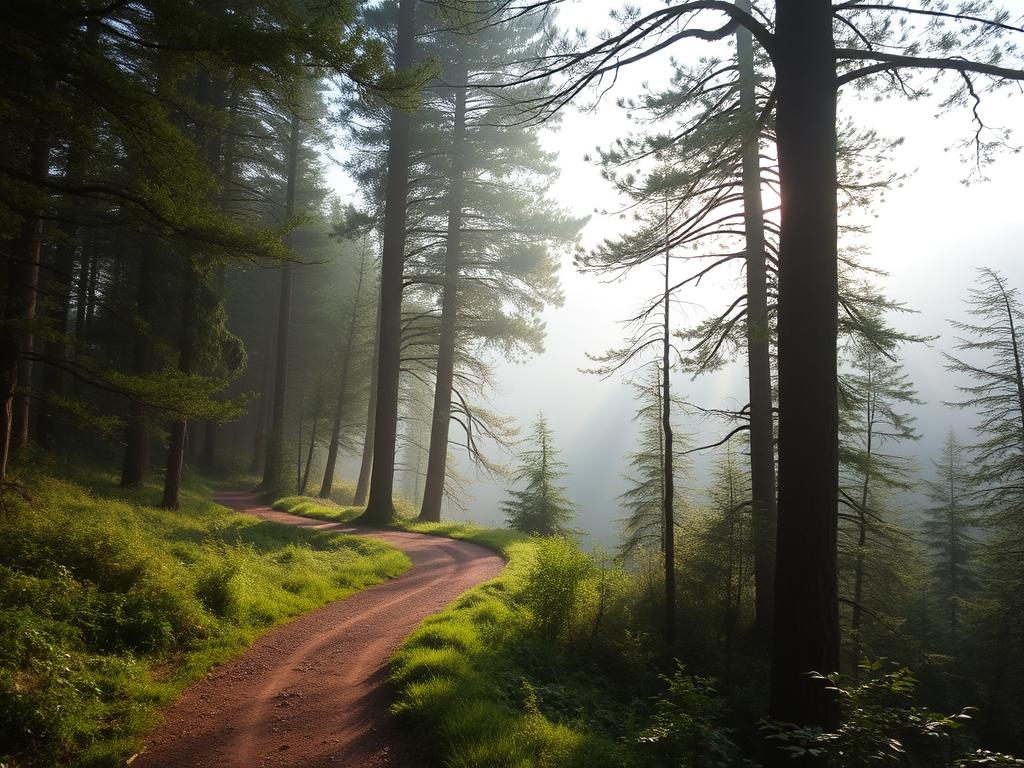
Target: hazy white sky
{"type": "Point", "coordinates": [930, 235]}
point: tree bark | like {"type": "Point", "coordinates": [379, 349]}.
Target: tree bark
{"type": "Point", "coordinates": [860, 562]}
{"type": "Point", "coordinates": [317, 406]}
{"type": "Point", "coordinates": [40, 165]}
{"type": "Point", "coordinates": [136, 449]}
{"type": "Point", "coordinates": [366, 464]}
{"type": "Point", "coordinates": [759, 374]}
{"type": "Point", "coordinates": [179, 430]}
{"type": "Point", "coordinates": [806, 636]}
{"type": "Point", "coordinates": [19, 312]}
{"type": "Point", "coordinates": [274, 466]}
{"type": "Point", "coordinates": [669, 497]}
{"type": "Point", "coordinates": [339, 404]}
{"type": "Point", "coordinates": [380, 508]}
{"type": "Point", "coordinates": [437, 457]}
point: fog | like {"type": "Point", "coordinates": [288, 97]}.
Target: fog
{"type": "Point", "coordinates": [929, 234]}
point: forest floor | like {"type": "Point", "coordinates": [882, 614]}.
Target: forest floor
{"type": "Point", "coordinates": [315, 691]}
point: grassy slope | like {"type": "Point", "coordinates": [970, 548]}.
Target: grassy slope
{"type": "Point", "coordinates": [109, 607]}
{"type": "Point", "coordinates": [479, 687]}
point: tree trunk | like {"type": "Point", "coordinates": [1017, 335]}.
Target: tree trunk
{"type": "Point", "coordinates": [90, 293]}
{"type": "Point", "coordinates": [759, 374]}
{"type": "Point", "coordinates": [380, 508]}
{"type": "Point", "coordinates": [860, 562]}
{"type": "Point", "coordinates": [806, 635]}
{"type": "Point", "coordinates": [136, 450]}
{"type": "Point", "coordinates": [366, 464]}
{"type": "Point", "coordinates": [317, 405]}
{"type": "Point", "coordinates": [259, 452]}
{"type": "Point", "coordinates": [669, 497]}
{"type": "Point", "coordinates": [40, 160]}
{"type": "Point", "coordinates": [19, 312]}
{"type": "Point", "coordinates": [339, 403]}
{"type": "Point", "coordinates": [179, 430]}
{"type": "Point", "coordinates": [274, 466]}
{"type": "Point", "coordinates": [437, 458]}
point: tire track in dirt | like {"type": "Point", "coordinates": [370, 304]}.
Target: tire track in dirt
{"type": "Point", "coordinates": [315, 691]}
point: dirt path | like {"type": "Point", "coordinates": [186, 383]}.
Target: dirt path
{"type": "Point", "coordinates": [315, 692]}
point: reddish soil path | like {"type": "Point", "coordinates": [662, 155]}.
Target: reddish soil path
{"type": "Point", "coordinates": [315, 692]}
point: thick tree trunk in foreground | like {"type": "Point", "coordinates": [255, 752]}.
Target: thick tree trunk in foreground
{"type": "Point", "coordinates": [366, 463]}
{"type": "Point", "coordinates": [759, 374]}
{"type": "Point", "coordinates": [437, 458]}
{"type": "Point", "coordinates": [274, 466]}
{"type": "Point", "coordinates": [380, 507]}
{"type": "Point", "coordinates": [806, 636]}
{"type": "Point", "coordinates": [339, 404]}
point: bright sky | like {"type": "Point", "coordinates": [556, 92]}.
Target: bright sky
{"type": "Point", "coordinates": [930, 235]}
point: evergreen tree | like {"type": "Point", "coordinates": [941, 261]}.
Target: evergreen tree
{"type": "Point", "coordinates": [541, 507]}
{"type": "Point", "coordinates": [989, 355]}
{"type": "Point", "coordinates": [718, 572]}
{"type": "Point", "coordinates": [643, 530]}
{"type": "Point", "coordinates": [949, 533]}
{"type": "Point", "coordinates": [874, 392]}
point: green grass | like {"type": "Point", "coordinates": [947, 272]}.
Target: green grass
{"type": "Point", "coordinates": [498, 539]}
{"type": "Point", "coordinates": [483, 683]}
{"type": "Point", "coordinates": [110, 606]}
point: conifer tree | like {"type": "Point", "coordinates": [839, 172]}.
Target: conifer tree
{"type": "Point", "coordinates": [722, 571]}
{"type": "Point", "coordinates": [643, 530]}
{"type": "Point", "coordinates": [949, 532]}
{"type": "Point", "coordinates": [541, 507]}
{"type": "Point", "coordinates": [874, 392]}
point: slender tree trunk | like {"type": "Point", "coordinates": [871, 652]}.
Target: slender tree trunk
{"type": "Point", "coordinates": [259, 452]}
{"type": "Point", "coordinates": [661, 462]}
{"type": "Point", "coordinates": [40, 160]}
{"type": "Point", "coordinates": [90, 294]}
{"type": "Point", "coordinates": [759, 374]}
{"type": "Point", "coordinates": [339, 403]}
{"type": "Point", "coordinates": [298, 442]}
{"type": "Point", "coordinates": [437, 458]}
{"type": "Point", "coordinates": [366, 464]}
{"type": "Point", "coordinates": [860, 562]}
{"type": "Point", "coordinates": [179, 430]}
{"type": "Point", "coordinates": [806, 626]}
{"type": "Point", "coordinates": [669, 499]}
{"type": "Point", "coordinates": [136, 449]}
{"type": "Point", "coordinates": [380, 507]}
{"type": "Point", "coordinates": [317, 405]}
{"type": "Point", "coordinates": [19, 312]}
{"type": "Point", "coordinates": [273, 468]}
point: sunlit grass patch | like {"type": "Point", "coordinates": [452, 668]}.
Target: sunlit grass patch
{"type": "Point", "coordinates": [109, 605]}
{"type": "Point", "coordinates": [462, 675]}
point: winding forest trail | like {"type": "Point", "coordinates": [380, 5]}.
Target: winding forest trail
{"type": "Point", "coordinates": [315, 692]}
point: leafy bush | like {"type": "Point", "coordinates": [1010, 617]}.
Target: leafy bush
{"type": "Point", "coordinates": [553, 584]}
{"type": "Point", "coordinates": [881, 726]}
{"type": "Point", "coordinates": [684, 729]}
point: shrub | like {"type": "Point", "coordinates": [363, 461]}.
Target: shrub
{"type": "Point", "coordinates": [553, 584]}
{"type": "Point", "coordinates": [882, 726]}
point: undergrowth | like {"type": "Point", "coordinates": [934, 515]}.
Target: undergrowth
{"type": "Point", "coordinates": [491, 681]}
{"type": "Point", "coordinates": [110, 606]}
